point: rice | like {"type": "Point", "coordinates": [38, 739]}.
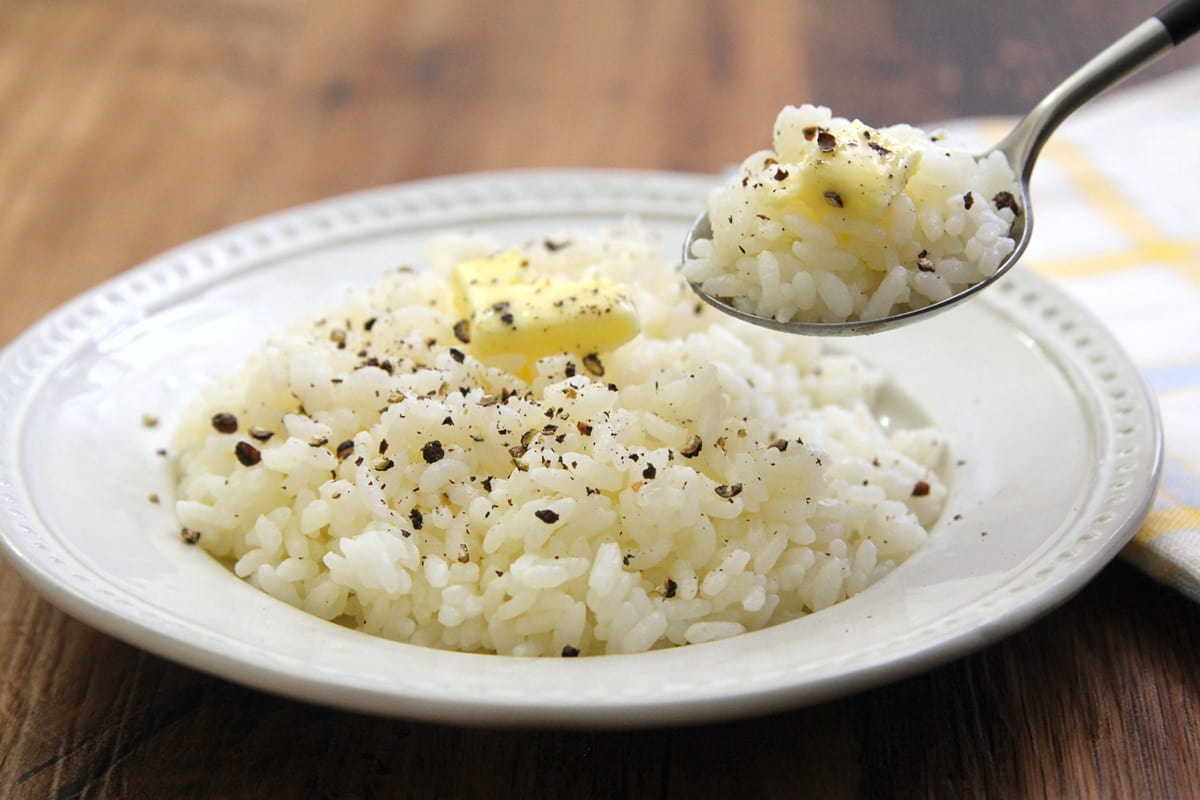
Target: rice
{"type": "Point", "coordinates": [840, 221]}
{"type": "Point", "coordinates": [700, 481]}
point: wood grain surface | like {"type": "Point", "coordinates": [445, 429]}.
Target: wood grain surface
{"type": "Point", "coordinates": [129, 126]}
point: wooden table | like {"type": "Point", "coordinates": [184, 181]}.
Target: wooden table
{"type": "Point", "coordinates": [128, 126]}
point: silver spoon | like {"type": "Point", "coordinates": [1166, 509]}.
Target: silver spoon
{"type": "Point", "coordinates": [1174, 23]}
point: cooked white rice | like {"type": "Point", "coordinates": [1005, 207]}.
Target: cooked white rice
{"type": "Point", "coordinates": [771, 254]}
{"type": "Point", "coordinates": [412, 492]}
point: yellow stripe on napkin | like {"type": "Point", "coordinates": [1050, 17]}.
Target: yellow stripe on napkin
{"type": "Point", "coordinates": [1168, 520]}
{"type": "Point", "coordinates": [1103, 194]}
{"type": "Point", "coordinates": [1183, 255]}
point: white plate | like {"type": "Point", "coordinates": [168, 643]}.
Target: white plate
{"type": "Point", "coordinates": [1056, 442]}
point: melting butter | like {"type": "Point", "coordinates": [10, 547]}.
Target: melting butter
{"type": "Point", "coordinates": [509, 312]}
{"type": "Point", "coordinates": [853, 169]}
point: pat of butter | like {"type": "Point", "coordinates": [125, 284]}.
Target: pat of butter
{"type": "Point", "coordinates": [477, 280]}
{"type": "Point", "coordinates": [508, 314]}
{"type": "Point", "coordinates": [853, 169]}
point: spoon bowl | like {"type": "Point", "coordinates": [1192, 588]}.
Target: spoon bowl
{"type": "Point", "coordinates": [1152, 38]}
{"type": "Point", "coordinates": [1020, 233]}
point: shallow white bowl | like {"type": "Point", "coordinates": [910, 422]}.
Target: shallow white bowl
{"type": "Point", "coordinates": [1056, 450]}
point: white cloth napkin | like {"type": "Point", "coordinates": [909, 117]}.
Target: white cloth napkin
{"type": "Point", "coordinates": [1116, 199]}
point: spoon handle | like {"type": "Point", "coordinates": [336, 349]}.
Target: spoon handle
{"type": "Point", "coordinates": [1174, 23]}
{"type": "Point", "coordinates": [1181, 19]}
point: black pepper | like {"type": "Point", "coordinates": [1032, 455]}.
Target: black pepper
{"type": "Point", "coordinates": [546, 515]}
{"type": "Point", "coordinates": [462, 331]}
{"type": "Point", "coordinates": [225, 423]}
{"type": "Point", "coordinates": [247, 454]}
{"type": "Point", "coordinates": [692, 448]}
{"type": "Point", "coordinates": [728, 492]}
{"type": "Point", "coordinates": [593, 364]}
{"type": "Point", "coordinates": [1006, 200]}
{"type": "Point", "coordinates": [432, 451]}
{"type": "Point", "coordinates": [189, 535]}
{"type": "Point", "coordinates": [920, 489]}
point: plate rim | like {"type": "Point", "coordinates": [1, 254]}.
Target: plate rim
{"type": "Point", "coordinates": [189, 267]}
